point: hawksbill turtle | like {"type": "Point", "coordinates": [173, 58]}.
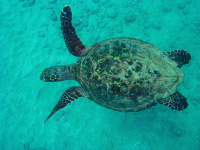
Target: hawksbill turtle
{"type": "Point", "coordinates": [123, 74]}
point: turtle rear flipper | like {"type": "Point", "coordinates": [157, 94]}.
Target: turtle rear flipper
{"type": "Point", "coordinates": [175, 101]}
{"type": "Point", "coordinates": [72, 41]}
{"type": "Point", "coordinates": [182, 57]}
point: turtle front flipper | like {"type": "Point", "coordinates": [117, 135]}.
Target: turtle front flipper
{"type": "Point", "coordinates": [72, 41]}
{"type": "Point", "coordinates": [175, 101]}
{"type": "Point", "coordinates": [67, 97]}
{"type": "Point", "coordinates": [59, 73]}
{"type": "Point", "coordinates": [182, 57]}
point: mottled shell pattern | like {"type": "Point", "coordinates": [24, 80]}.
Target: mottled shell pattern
{"type": "Point", "coordinates": [127, 74]}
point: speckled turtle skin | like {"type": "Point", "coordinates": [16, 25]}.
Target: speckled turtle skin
{"type": "Point", "coordinates": [127, 74]}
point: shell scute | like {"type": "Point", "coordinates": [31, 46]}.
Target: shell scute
{"type": "Point", "coordinates": [127, 74]}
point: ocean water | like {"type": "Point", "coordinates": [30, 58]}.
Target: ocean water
{"type": "Point", "coordinates": [31, 40]}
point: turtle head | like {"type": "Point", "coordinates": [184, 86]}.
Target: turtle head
{"type": "Point", "coordinates": [59, 73]}
{"type": "Point", "coordinates": [50, 75]}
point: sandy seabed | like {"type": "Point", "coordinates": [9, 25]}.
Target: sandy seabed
{"type": "Point", "coordinates": [31, 40]}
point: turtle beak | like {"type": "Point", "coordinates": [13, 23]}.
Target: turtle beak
{"type": "Point", "coordinates": [42, 76]}
{"type": "Point", "coordinates": [47, 75]}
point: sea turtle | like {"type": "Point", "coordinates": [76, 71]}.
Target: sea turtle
{"type": "Point", "coordinates": [122, 74]}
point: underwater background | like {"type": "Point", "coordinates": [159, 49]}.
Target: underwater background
{"type": "Point", "coordinates": [31, 40]}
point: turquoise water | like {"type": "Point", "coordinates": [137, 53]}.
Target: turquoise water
{"type": "Point", "coordinates": [31, 40]}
